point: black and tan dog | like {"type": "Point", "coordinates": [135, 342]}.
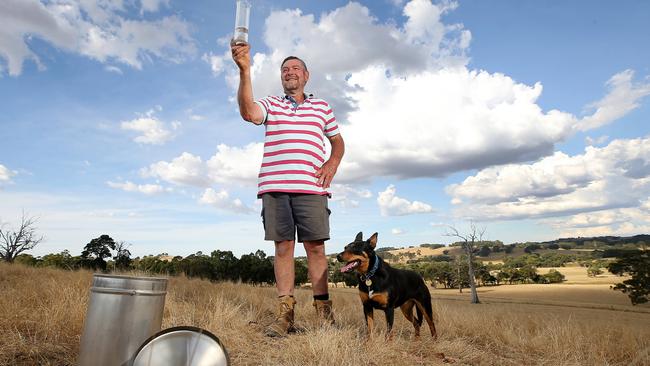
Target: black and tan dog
{"type": "Point", "coordinates": [386, 288]}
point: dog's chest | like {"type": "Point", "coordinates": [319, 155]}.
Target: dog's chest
{"type": "Point", "coordinates": [376, 298]}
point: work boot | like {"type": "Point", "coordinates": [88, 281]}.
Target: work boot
{"type": "Point", "coordinates": [324, 311]}
{"type": "Point", "coordinates": [283, 324]}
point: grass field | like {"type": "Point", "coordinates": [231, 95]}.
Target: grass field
{"type": "Point", "coordinates": [42, 312]}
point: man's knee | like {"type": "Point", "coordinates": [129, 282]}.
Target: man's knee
{"type": "Point", "coordinates": [284, 248]}
{"type": "Point", "coordinates": [315, 248]}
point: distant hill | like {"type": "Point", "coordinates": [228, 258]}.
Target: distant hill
{"type": "Point", "coordinates": [599, 246]}
{"type": "Point", "coordinates": [611, 240]}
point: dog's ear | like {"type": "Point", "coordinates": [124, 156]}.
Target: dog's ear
{"type": "Point", "coordinates": [373, 240]}
{"type": "Point", "coordinates": [359, 237]}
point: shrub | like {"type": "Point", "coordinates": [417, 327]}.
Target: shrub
{"type": "Point", "coordinates": [553, 276]}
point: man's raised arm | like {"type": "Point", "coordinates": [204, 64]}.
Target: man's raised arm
{"type": "Point", "coordinates": [249, 110]}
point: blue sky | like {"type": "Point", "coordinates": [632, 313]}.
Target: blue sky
{"type": "Point", "coordinates": [530, 118]}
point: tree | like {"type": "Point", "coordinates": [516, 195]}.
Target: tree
{"type": "Point", "coordinates": [531, 248]}
{"type": "Point", "coordinates": [469, 242]}
{"type": "Point", "coordinates": [225, 265]}
{"type": "Point", "coordinates": [335, 274]}
{"type": "Point", "coordinates": [553, 276]}
{"type": "Point", "coordinates": [301, 273]}
{"type": "Point", "coordinates": [196, 265]}
{"type": "Point", "coordinates": [485, 251]}
{"type": "Point", "coordinates": [460, 278]}
{"type": "Point", "coordinates": [440, 272]}
{"type": "Point", "coordinates": [26, 259]}
{"type": "Point", "coordinates": [94, 252]}
{"type": "Point", "coordinates": [637, 288]}
{"type": "Point", "coordinates": [122, 255]}
{"type": "Point", "coordinates": [12, 243]}
{"type": "Point", "coordinates": [256, 268]}
{"type": "Point", "coordinates": [483, 274]}
{"type": "Point", "coordinates": [594, 270]}
{"type": "Point", "coordinates": [529, 273]}
{"type": "Point", "coordinates": [61, 260]}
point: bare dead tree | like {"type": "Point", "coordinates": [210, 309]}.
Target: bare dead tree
{"type": "Point", "coordinates": [122, 257]}
{"type": "Point", "coordinates": [469, 241]}
{"type": "Point", "coordinates": [12, 243]}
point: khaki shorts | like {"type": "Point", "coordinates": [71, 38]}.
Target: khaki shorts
{"type": "Point", "coordinates": [285, 213]}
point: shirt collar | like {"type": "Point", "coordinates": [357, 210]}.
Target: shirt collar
{"type": "Point", "coordinates": [293, 101]}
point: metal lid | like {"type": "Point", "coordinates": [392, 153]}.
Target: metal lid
{"type": "Point", "coordinates": [185, 346]}
{"type": "Point", "coordinates": [129, 282]}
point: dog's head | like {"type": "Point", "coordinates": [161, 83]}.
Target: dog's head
{"type": "Point", "coordinates": [357, 254]}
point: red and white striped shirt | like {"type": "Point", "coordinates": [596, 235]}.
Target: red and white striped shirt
{"type": "Point", "coordinates": [294, 146]}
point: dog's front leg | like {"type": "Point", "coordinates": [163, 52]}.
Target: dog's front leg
{"type": "Point", "coordinates": [370, 321]}
{"type": "Point", "coordinates": [390, 316]}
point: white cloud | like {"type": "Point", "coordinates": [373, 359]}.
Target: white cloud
{"type": "Point", "coordinates": [217, 63]}
{"type": "Point", "coordinates": [397, 231]}
{"type": "Point", "coordinates": [152, 6]}
{"type": "Point", "coordinates": [347, 195]}
{"type": "Point", "coordinates": [230, 166]}
{"type": "Point", "coordinates": [352, 31]}
{"type": "Point", "coordinates": [233, 165]}
{"type": "Point", "coordinates": [148, 189]}
{"type": "Point", "coordinates": [113, 69]}
{"type": "Point", "coordinates": [195, 117]}
{"type": "Point", "coordinates": [622, 221]}
{"type": "Point", "coordinates": [457, 118]}
{"type": "Point", "coordinates": [185, 169]}
{"type": "Point", "coordinates": [611, 177]}
{"type": "Point", "coordinates": [596, 141]}
{"type": "Point", "coordinates": [151, 129]}
{"type": "Point", "coordinates": [623, 97]}
{"type": "Point", "coordinates": [222, 201]}
{"type": "Point", "coordinates": [93, 28]}
{"type": "Point", "coordinates": [6, 174]}
{"type": "Point", "coordinates": [391, 205]}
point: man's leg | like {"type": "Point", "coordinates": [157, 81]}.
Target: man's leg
{"type": "Point", "coordinates": [317, 266]}
{"type": "Point", "coordinates": [284, 278]}
{"type": "Point", "coordinates": [279, 227]}
{"type": "Point", "coordinates": [284, 268]}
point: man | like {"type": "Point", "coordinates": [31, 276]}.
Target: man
{"type": "Point", "coordinates": [293, 179]}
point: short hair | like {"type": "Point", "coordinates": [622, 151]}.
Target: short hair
{"type": "Point", "coordinates": [294, 58]}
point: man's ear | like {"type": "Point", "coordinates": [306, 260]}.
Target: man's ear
{"type": "Point", "coordinates": [373, 240]}
{"type": "Point", "coordinates": [359, 237]}
{"type": "Point", "coordinates": [306, 76]}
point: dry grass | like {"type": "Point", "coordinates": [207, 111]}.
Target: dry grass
{"type": "Point", "coordinates": [575, 274]}
{"type": "Point", "coordinates": [42, 311]}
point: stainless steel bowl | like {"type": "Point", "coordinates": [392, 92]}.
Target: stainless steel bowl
{"type": "Point", "coordinates": [182, 346]}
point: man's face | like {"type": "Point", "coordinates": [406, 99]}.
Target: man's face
{"type": "Point", "coordinates": [294, 76]}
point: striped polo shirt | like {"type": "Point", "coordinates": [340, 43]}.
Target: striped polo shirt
{"type": "Point", "coordinates": [294, 144]}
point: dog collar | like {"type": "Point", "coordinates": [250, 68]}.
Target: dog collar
{"type": "Point", "coordinates": [371, 273]}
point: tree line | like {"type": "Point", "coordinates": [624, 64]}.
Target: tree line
{"type": "Point", "coordinates": [105, 254]}
{"type": "Point", "coordinates": [458, 271]}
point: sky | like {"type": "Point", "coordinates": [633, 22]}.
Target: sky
{"type": "Point", "coordinates": [530, 119]}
